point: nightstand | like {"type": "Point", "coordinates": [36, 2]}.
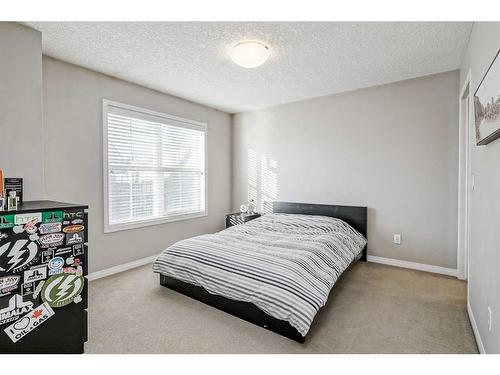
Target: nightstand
{"type": "Point", "coordinates": [239, 218]}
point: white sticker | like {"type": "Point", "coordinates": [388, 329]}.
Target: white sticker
{"type": "Point", "coordinates": [21, 219]}
{"type": "Point", "coordinates": [29, 322]}
{"type": "Point", "coordinates": [52, 239]}
{"type": "Point", "coordinates": [35, 274]}
{"type": "Point", "coordinates": [8, 281]}
{"type": "Point", "coordinates": [74, 238]}
{"type": "Point", "coordinates": [8, 284]}
{"type": "Point", "coordinates": [15, 308]}
{"type": "Point", "coordinates": [18, 229]}
{"type": "Point", "coordinates": [50, 228]}
{"type": "Point", "coordinates": [19, 255]}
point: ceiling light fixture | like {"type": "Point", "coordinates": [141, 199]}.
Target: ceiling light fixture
{"type": "Point", "coordinates": [249, 53]}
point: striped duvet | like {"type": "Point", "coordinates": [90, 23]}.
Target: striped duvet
{"type": "Point", "coordinates": [284, 264]}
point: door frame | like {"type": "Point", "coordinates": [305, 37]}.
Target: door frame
{"type": "Point", "coordinates": [465, 178]}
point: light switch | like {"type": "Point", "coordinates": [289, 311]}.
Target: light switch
{"type": "Point", "coordinates": [397, 239]}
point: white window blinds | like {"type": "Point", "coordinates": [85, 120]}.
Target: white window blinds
{"type": "Point", "coordinates": [155, 167]}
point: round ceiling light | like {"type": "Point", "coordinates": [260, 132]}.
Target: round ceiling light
{"type": "Point", "coordinates": [249, 53]}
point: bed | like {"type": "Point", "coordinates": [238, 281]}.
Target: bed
{"type": "Point", "coordinates": [276, 271]}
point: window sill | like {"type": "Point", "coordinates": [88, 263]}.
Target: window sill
{"type": "Point", "coordinates": [146, 223]}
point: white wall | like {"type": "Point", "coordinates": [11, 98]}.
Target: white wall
{"type": "Point", "coordinates": [73, 158]}
{"type": "Point", "coordinates": [484, 257]}
{"type": "Point", "coordinates": [392, 148]}
{"type": "Point", "coordinates": [21, 142]}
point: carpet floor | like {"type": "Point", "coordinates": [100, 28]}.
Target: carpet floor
{"type": "Point", "coordinates": [372, 309]}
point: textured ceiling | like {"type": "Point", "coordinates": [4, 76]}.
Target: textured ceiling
{"type": "Point", "coordinates": [308, 59]}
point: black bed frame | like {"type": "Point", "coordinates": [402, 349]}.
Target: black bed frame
{"type": "Point", "coordinates": [354, 216]}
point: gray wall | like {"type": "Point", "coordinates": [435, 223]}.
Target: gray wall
{"type": "Point", "coordinates": [73, 157]}
{"type": "Point", "coordinates": [484, 256]}
{"type": "Point", "coordinates": [392, 148]}
{"type": "Point", "coordinates": [21, 142]}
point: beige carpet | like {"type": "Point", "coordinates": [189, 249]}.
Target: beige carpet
{"type": "Point", "coordinates": [373, 309]}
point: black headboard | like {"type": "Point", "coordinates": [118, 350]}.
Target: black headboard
{"type": "Point", "coordinates": [355, 216]}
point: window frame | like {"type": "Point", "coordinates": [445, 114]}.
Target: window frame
{"type": "Point", "coordinates": [109, 228]}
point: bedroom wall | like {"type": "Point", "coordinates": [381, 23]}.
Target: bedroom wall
{"type": "Point", "coordinates": [392, 148]}
{"type": "Point", "coordinates": [484, 257]}
{"type": "Point", "coordinates": [21, 106]}
{"type": "Point", "coordinates": [73, 137]}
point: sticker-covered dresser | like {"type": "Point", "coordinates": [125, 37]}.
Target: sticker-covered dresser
{"type": "Point", "coordinates": [43, 285]}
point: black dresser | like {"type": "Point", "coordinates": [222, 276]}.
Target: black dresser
{"type": "Point", "coordinates": [43, 285]}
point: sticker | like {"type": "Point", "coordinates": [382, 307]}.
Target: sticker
{"type": "Point", "coordinates": [52, 239]}
{"type": "Point", "coordinates": [3, 235]}
{"type": "Point", "coordinates": [78, 250]}
{"type": "Point", "coordinates": [6, 221]}
{"type": "Point", "coordinates": [47, 255]}
{"type": "Point", "coordinates": [79, 271]}
{"type": "Point", "coordinates": [74, 238]}
{"type": "Point", "coordinates": [63, 250]}
{"type": "Point", "coordinates": [71, 261]}
{"type": "Point", "coordinates": [35, 274]}
{"type": "Point", "coordinates": [18, 229]}
{"type": "Point", "coordinates": [77, 221]}
{"type": "Point", "coordinates": [8, 281]}
{"type": "Point", "coordinates": [73, 229]}
{"type": "Point", "coordinates": [55, 265]}
{"type": "Point", "coordinates": [72, 215]}
{"type": "Point", "coordinates": [15, 309]}
{"type": "Point", "coordinates": [50, 228]}
{"type": "Point", "coordinates": [38, 289]}
{"type": "Point", "coordinates": [52, 217]}
{"type": "Point", "coordinates": [60, 290]}
{"type": "Point", "coordinates": [7, 291]}
{"type": "Point", "coordinates": [27, 289]}
{"type": "Point", "coordinates": [29, 322]}
{"type": "Point", "coordinates": [17, 255]}
{"type": "Point", "coordinates": [69, 270]}
{"type": "Point", "coordinates": [21, 219]}
{"type": "Point", "coordinates": [30, 227]}
{"type": "Point", "coordinates": [8, 284]}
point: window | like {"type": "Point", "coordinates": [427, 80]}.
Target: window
{"type": "Point", "coordinates": [154, 167]}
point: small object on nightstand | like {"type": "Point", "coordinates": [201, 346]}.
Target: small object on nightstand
{"type": "Point", "coordinates": [12, 201]}
{"type": "Point", "coordinates": [239, 218]}
{"type": "Point", "coordinates": [251, 207]}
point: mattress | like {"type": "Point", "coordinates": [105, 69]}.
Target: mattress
{"type": "Point", "coordinates": [285, 264]}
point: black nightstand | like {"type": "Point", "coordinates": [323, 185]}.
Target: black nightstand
{"type": "Point", "coordinates": [239, 218]}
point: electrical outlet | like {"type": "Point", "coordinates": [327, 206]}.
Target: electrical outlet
{"type": "Point", "coordinates": [397, 239]}
{"type": "Point", "coordinates": [490, 319]}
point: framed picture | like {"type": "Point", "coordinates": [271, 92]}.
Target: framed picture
{"type": "Point", "coordinates": [487, 105]}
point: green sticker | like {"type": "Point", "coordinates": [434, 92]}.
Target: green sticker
{"type": "Point", "coordinates": [61, 289]}
{"type": "Point", "coordinates": [52, 217]}
{"type": "Point", "coordinates": [6, 221]}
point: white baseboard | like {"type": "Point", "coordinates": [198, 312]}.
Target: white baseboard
{"type": "Point", "coordinates": [473, 323]}
{"type": "Point", "coordinates": [120, 268]}
{"type": "Point", "coordinates": [413, 265]}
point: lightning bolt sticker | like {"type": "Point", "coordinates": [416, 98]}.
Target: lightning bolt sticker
{"type": "Point", "coordinates": [19, 254]}
{"type": "Point", "coordinates": [16, 252]}
{"type": "Point", "coordinates": [61, 289]}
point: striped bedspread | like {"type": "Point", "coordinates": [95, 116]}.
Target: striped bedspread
{"type": "Point", "coordinates": [284, 264]}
